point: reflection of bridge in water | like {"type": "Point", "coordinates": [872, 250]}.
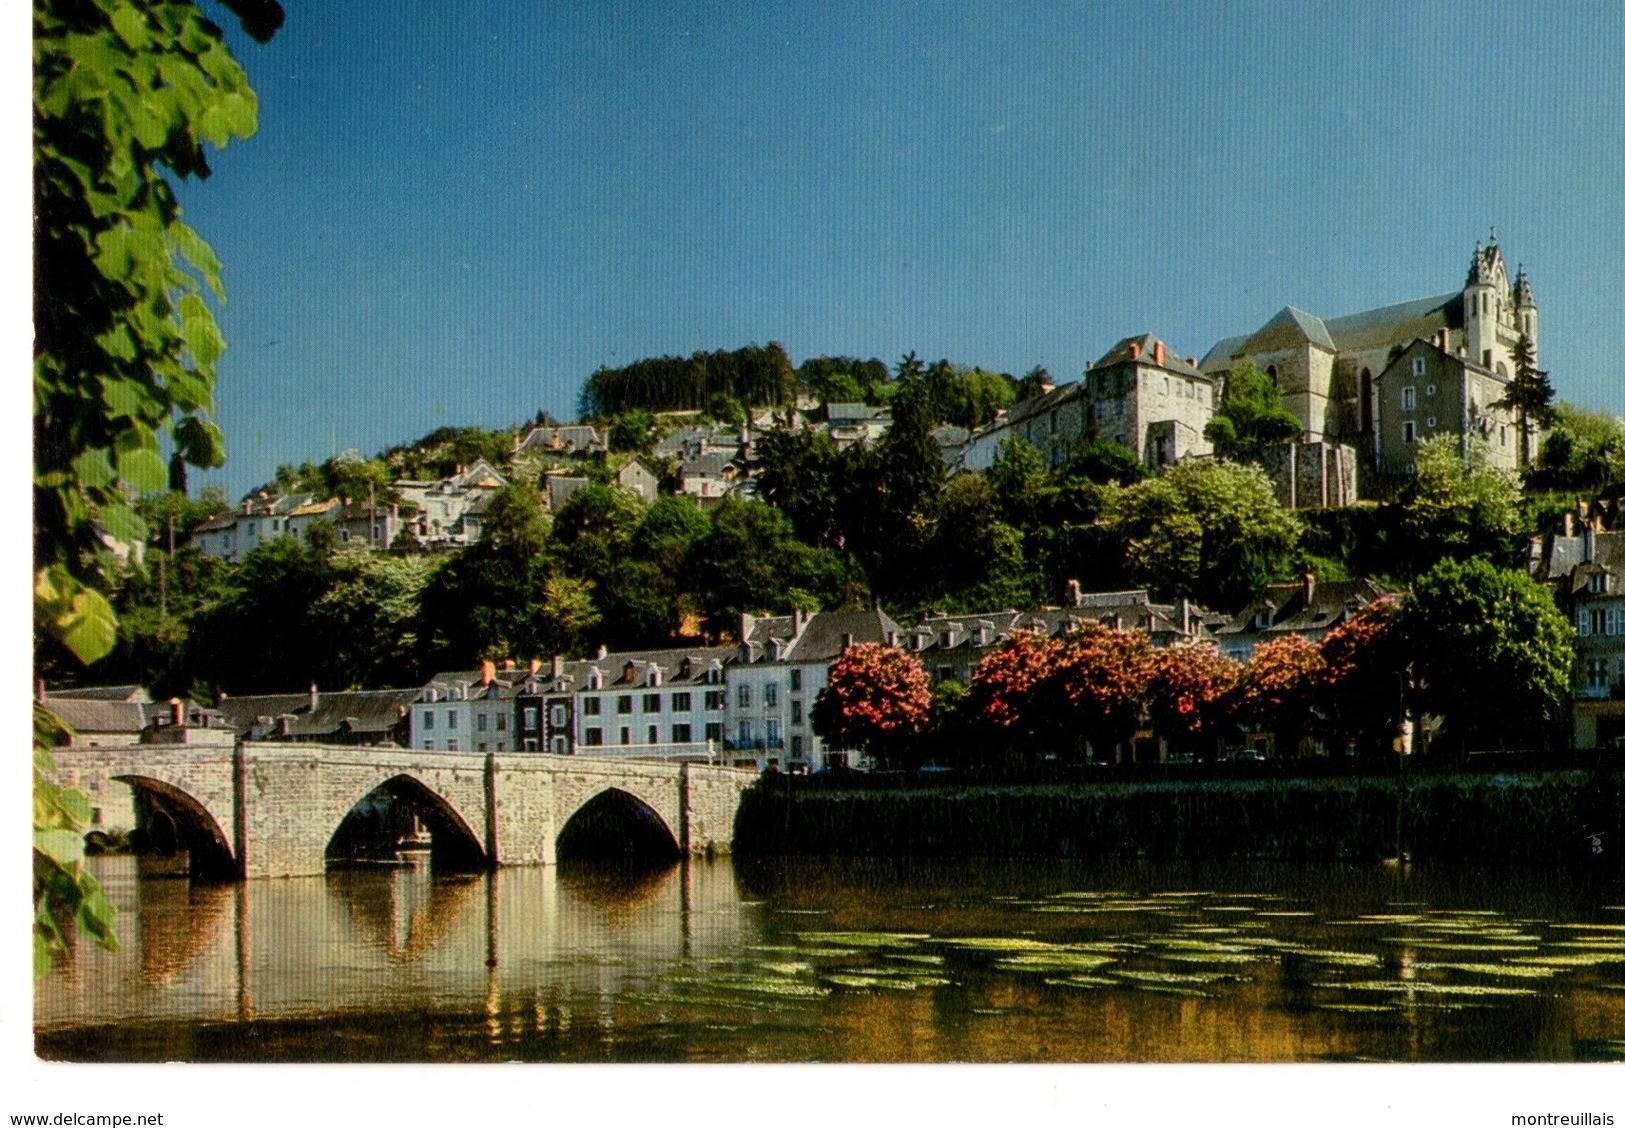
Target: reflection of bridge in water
{"type": "Point", "coordinates": [272, 810]}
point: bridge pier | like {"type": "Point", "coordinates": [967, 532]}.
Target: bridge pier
{"type": "Point", "coordinates": [275, 807]}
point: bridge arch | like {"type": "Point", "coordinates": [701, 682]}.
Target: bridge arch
{"type": "Point", "coordinates": [616, 825]}
{"type": "Point", "coordinates": [169, 818]}
{"type": "Point", "coordinates": [366, 825]}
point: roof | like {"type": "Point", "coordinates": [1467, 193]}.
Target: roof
{"type": "Point", "coordinates": [1218, 357]}
{"type": "Point", "coordinates": [1143, 350]}
{"type": "Point", "coordinates": [92, 715]}
{"type": "Point", "coordinates": [1332, 602]}
{"type": "Point", "coordinates": [822, 638]}
{"type": "Point", "coordinates": [312, 508]}
{"type": "Point", "coordinates": [1287, 329]}
{"type": "Point", "coordinates": [709, 465]}
{"type": "Point", "coordinates": [1564, 558]}
{"type": "Point", "coordinates": [136, 693]}
{"type": "Point", "coordinates": [1396, 324]}
{"type": "Point", "coordinates": [612, 666]}
{"type": "Point", "coordinates": [357, 711]}
{"type": "Point", "coordinates": [1037, 405]}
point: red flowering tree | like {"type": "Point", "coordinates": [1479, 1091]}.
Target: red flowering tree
{"type": "Point", "coordinates": [1188, 696]}
{"type": "Point", "coordinates": [1366, 682]}
{"type": "Point", "coordinates": [878, 698]}
{"type": "Point", "coordinates": [1003, 683]}
{"type": "Point", "coordinates": [1095, 690]}
{"type": "Point", "coordinates": [1277, 689]}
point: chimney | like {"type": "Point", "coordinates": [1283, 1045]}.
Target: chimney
{"type": "Point", "coordinates": [314, 699]}
{"type": "Point", "coordinates": [177, 712]}
{"type": "Point", "coordinates": [1134, 350]}
{"type": "Point", "coordinates": [603, 652]}
{"type": "Point", "coordinates": [1074, 593]}
{"type": "Point", "coordinates": [1088, 365]}
{"type": "Point", "coordinates": [846, 641]}
{"type": "Point", "coordinates": [39, 691]}
{"type": "Point", "coordinates": [248, 506]}
{"type": "Point", "coordinates": [1568, 524]}
{"type": "Point", "coordinates": [488, 673]}
{"type": "Point", "coordinates": [746, 622]}
{"type": "Point", "coordinates": [1161, 353]}
{"type": "Point", "coordinates": [1308, 589]}
{"type": "Point", "coordinates": [1185, 616]}
{"type": "Point", "coordinates": [508, 664]}
{"type": "Point", "coordinates": [801, 620]}
{"type": "Point", "coordinates": [1191, 360]}
{"type": "Point", "coordinates": [556, 669]}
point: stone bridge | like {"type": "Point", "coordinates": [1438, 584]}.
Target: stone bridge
{"type": "Point", "coordinates": [270, 810]}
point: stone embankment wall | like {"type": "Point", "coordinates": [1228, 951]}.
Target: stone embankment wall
{"type": "Point", "coordinates": [1537, 817]}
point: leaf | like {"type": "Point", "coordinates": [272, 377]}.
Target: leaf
{"type": "Point", "coordinates": [197, 252]}
{"type": "Point", "coordinates": [123, 524]}
{"type": "Point", "coordinates": [142, 469]}
{"type": "Point", "coordinates": [199, 331]}
{"type": "Point", "coordinates": [94, 469]}
{"type": "Point", "coordinates": [89, 628]}
{"type": "Point", "coordinates": [64, 847]}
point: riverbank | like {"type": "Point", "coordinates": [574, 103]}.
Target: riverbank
{"type": "Point", "coordinates": [1524, 816]}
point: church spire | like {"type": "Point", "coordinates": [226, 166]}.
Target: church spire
{"type": "Point", "coordinates": [1523, 296]}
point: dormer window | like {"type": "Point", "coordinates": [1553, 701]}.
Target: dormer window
{"type": "Point", "coordinates": [1597, 583]}
{"type": "Point", "coordinates": [595, 678]}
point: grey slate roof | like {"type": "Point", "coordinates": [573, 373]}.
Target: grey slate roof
{"type": "Point", "coordinates": [136, 693]}
{"type": "Point", "coordinates": [89, 715]}
{"type": "Point", "coordinates": [1218, 357]}
{"type": "Point", "coordinates": [1120, 353]}
{"type": "Point", "coordinates": [1286, 329]}
{"type": "Point", "coordinates": [370, 712]}
{"type": "Point", "coordinates": [1396, 324]}
{"type": "Point", "coordinates": [1332, 602]}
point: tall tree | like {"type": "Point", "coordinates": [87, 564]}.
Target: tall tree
{"type": "Point", "coordinates": [1188, 696]}
{"type": "Point", "coordinates": [1366, 686]}
{"type": "Point", "coordinates": [1278, 688]}
{"type": "Point", "coordinates": [1458, 505]}
{"type": "Point", "coordinates": [1528, 394]}
{"type": "Point", "coordinates": [1493, 655]}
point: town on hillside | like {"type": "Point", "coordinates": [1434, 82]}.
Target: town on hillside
{"type": "Point", "coordinates": [1265, 551]}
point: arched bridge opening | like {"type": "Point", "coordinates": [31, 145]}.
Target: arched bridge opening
{"type": "Point", "coordinates": [403, 819]}
{"type": "Point", "coordinates": [616, 826]}
{"type": "Point", "coordinates": [174, 833]}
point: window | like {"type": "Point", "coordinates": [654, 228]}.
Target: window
{"type": "Point", "coordinates": [1582, 622]}
{"type": "Point", "coordinates": [623, 704]}
{"type": "Point", "coordinates": [681, 734]}
{"type": "Point", "coordinates": [451, 718]}
{"type": "Point", "coordinates": [1598, 621]}
{"type": "Point", "coordinates": [482, 746]}
{"type": "Point", "coordinates": [795, 711]}
{"type": "Point", "coordinates": [713, 730]}
{"type": "Point", "coordinates": [428, 746]}
{"type": "Point", "coordinates": [1407, 399]}
{"type": "Point", "coordinates": [1410, 430]}
{"type": "Point", "coordinates": [626, 735]}
{"type": "Point", "coordinates": [480, 721]}
{"type": "Point", "coordinates": [796, 745]}
{"type": "Point", "coordinates": [502, 722]}
{"type": "Point", "coordinates": [795, 681]}
{"type": "Point", "coordinates": [1432, 422]}
{"type": "Point", "coordinates": [654, 734]}
{"type": "Point", "coordinates": [715, 699]}
{"type": "Point", "coordinates": [772, 732]}
{"type": "Point", "coordinates": [451, 746]}
{"type": "Point", "coordinates": [1597, 583]}
{"type": "Point", "coordinates": [770, 695]}
{"type": "Point", "coordinates": [744, 732]}
{"type": "Point", "coordinates": [1597, 673]}
{"type": "Point", "coordinates": [651, 702]}
{"type": "Point", "coordinates": [428, 719]}
{"type": "Point", "coordinates": [561, 746]}
{"type": "Point", "coordinates": [595, 736]}
{"type": "Point", "coordinates": [530, 718]}
{"type": "Point", "coordinates": [592, 706]}
{"type": "Point", "coordinates": [1419, 366]}
{"type": "Point", "coordinates": [682, 702]}
{"type": "Point", "coordinates": [743, 697]}
{"type": "Point", "coordinates": [1431, 390]}
{"type": "Point", "coordinates": [561, 716]}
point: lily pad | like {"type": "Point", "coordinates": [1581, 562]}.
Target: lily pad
{"type": "Point", "coordinates": [999, 944]}
{"type": "Point", "coordinates": [1086, 982]}
{"type": "Point", "coordinates": [1509, 971]}
{"type": "Point", "coordinates": [1421, 987]}
{"type": "Point", "coordinates": [1057, 961]}
{"type": "Point", "coordinates": [864, 939]}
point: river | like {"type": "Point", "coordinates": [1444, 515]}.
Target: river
{"type": "Point", "coordinates": [811, 960]}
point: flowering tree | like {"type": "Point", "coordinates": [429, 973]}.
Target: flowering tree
{"type": "Point", "coordinates": [1366, 681]}
{"type": "Point", "coordinates": [1188, 696]}
{"type": "Point", "coordinates": [1277, 689]}
{"type": "Point", "coordinates": [878, 698]}
{"type": "Point", "coordinates": [1095, 689]}
{"type": "Point", "coordinates": [1003, 683]}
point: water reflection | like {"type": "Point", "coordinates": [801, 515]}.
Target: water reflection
{"type": "Point", "coordinates": [864, 961]}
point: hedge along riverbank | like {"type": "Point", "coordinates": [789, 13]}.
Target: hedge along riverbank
{"type": "Point", "coordinates": [1514, 817]}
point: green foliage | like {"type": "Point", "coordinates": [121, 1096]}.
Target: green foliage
{"type": "Point", "coordinates": [1528, 395]}
{"type": "Point", "coordinates": [1493, 655]}
{"type": "Point", "coordinates": [754, 375]}
{"type": "Point", "coordinates": [632, 431]}
{"type": "Point", "coordinates": [1249, 417]}
{"type": "Point", "coordinates": [1210, 531]}
{"type": "Point", "coordinates": [845, 379]}
{"type": "Point", "coordinates": [1103, 463]}
{"type": "Point", "coordinates": [63, 889]}
{"type": "Point", "coordinates": [1459, 506]}
{"type": "Point", "coordinates": [799, 472]}
{"type": "Point", "coordinates": [1585, 450]}
{"type": "Point", "coordinates": [126, 95]}
{"type": "Point", "coordinates": [750, 559]}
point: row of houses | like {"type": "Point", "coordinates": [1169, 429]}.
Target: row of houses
{"type": "Point", "coordinates": [749, 703]}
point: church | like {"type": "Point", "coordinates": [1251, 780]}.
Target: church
{"type": "Point", "coordinates": [1383, 380]}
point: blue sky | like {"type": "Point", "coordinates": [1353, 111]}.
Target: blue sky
{"type": "Point", "coordinates": [454, 212]}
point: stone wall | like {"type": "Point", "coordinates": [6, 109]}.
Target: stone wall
{"type": "Point", "coordinates": [1312, 475]}
{"type": "Point", "coordinates": [510, 808]}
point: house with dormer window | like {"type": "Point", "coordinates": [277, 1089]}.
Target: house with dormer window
{"type": "Point", "coordinates": [1584, 567]}
{"type": "Point", "coordinates": [1308, 608]}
